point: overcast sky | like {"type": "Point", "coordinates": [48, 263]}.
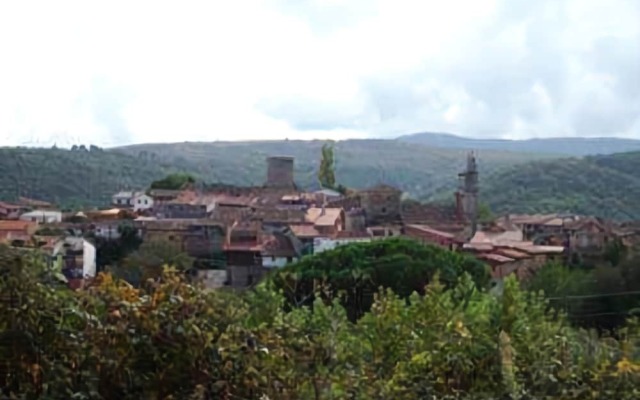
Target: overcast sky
{"type": "Point", "coordinates": [120, 72]}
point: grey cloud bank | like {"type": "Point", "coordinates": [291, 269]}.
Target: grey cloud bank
{"type": "Point", "coordinates": [321, 69]}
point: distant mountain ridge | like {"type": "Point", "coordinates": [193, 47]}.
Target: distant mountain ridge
{"type": "Point", "coordinates": [576, 146]}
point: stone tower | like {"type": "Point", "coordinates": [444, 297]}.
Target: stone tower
{"type": "Point", "coordinates": [467, 195]}
{"type": "Point", "coordinates": [280, 172]}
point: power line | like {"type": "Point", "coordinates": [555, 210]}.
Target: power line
{"type": "Point", "coordinates": [593, 296]}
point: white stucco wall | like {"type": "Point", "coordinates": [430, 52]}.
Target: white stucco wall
{"type": "Point", "coordinates": [107, 231]}
{"type": "Point", "coordinates": [142, 202]}
{"type": "Point", "coordinates": [324, 244]}
{"type": "Point", "coordinates": [275, 262]}
{"type": "Point", "coordinates": [42, 216]}
{"type": "Point", "coordinates": [88, 259]}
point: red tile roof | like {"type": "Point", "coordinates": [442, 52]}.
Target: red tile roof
{"type": "Point", "coordinates": [304, 230]}
{"type": "Point", "coordinates": [428, 229]}
{"type": "Point", "coordinates": [16, 225]}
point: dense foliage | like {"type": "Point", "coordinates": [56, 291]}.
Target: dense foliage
{"type": "Point", "coordinates": [175, 181]}
{"type": "Point", "coordinates": [606, 186]}
{"type": "Point", "coordinates": [601, 297]}
{"type": "Point", "coordinates": [171, 340]}
{"type": "Point", "coordinates": [326, 171]}
{"type": "Point", "coordinates": [73, 178]}
{"type": "Point", "coordinates": [354, 272]}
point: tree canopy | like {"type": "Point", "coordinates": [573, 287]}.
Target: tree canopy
{"type": "Point", "coordinates": [175, 181]}
{"type": "Point", "coordinates": [326, 172]}
{"type": "Point", "coordinates": [354, 272]}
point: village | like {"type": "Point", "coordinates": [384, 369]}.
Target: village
{"type": "Point", "coordinates": [237, 234]}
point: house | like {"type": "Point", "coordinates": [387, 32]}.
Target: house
{"type": "Point", "coordinates": [278, 251]}
{"type": "Point", "coordinates": [589, 238]}
{"type": "Point", "coordinates": [174, 210]}
{"type": "Point", "coordinates": [11, 211]}
{"type": "Point", "coordinates": [161, 196]}
{"type": "Point", "coordinates": [17, 230]}
{"type": "Point", "coordinates": [243, 248]}
{"type": "Point", "coordinates": [123, 198]}
{"type": "Point", "coordinates": [112, 214]}
{"type": "Point", "coordinates": [107, 230]}
{"type": "Point", "coordinates": [78, 260]}
{"type": "Point", "coordinates": [428, 235]}
{"type": "Point", "coordinates": [327, 221]}
{"type": "Point", "coordinates": [141, 201]}
{"type": "Point", "coordinates": [321, 244]}
{"type": "Point", "coordinates": [506, 253]}
{"type": "Point", "coordinates": [33, 203]}
{"type": "Point", "coordinates": [382, 204]}
{"type": "Point", "coordinates": [42, 216]}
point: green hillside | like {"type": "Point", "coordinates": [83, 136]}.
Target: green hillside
{"type": "Point", "coordinates": [68, 178]}
{"type": "Point", "coordinates": [515, 182]}
{"type": "Point", "coordinates": [421, 171]}
{"type": "Point", "coordinates": [607, 186]}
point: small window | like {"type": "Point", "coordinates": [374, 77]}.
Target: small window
{"type": "Point", "coordinates": [383, 210]}
{"type": "Point", "coordinates": [273, 258]}
{"type": "Point", "coordinates": [171, 237]}
{"type": "Point", "coordinates": [145, 201]}
{"type": "Point", "coordinates": [139, 201]}
{"type": "Point", "coordinates": [289, 259]}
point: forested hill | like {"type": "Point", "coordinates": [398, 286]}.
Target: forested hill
{"type": "Point", "coordinates": [576, 146]}
{"type": "Point", "coordinates": [516, 182]}
{"type": "Point", "coordinates": [89, 176]}
{"type": "Point", "coordinates": [607, 186]}
{"type": "Point", "coordinates": [84, 176]}
{"type": "Point", "coordinates": [419, 170]}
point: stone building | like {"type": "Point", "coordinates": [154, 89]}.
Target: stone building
{"type": "Point", "coordinates": [382, 204]}
{"type": "Point", "coordinates": [280, 172]}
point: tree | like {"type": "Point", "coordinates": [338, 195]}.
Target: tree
{"type": "Point", "coordinates": [354, 272]}
{"type": "Point", "coordinates": [484, 213]}
{"type": "Point", "coordinates": [173, 182]}
{"type": "Point", "coordinates": [326, 172]}
{"type": "Point", "coordinates": [152, 256]}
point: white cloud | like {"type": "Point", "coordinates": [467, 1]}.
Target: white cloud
{"type": "Point", "coordinates": [120, 72]}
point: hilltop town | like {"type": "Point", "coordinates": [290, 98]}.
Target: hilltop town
{"type": "Point", "coordinates": [234, 235]}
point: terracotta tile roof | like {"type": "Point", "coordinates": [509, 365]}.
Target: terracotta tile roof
{"type": "Point", "coordinates": [515, 254]}
{"type": "Point", "coordinates": [10, 206]}
{"type": "Point", "coordinates": [16, 225]}
{"type": "Point", "coordinates": [428, 229]}
{"type": "Point", "coordinates": [315, 216]}
{"type": "Point", "coordinates": [34, 202]}
{"type": "Point", "coordinates": [245, 246]}
{"type": "Point", "coordinates": [478, 246]}
{"type": "Point", "coordinates": [497, 238]}
{"type": "Point", "coordinates": [278, 246]}
{"type": "Point", "coordinates": [430, 214]}
{"type": "Point", "coordinates": [348, 234]}
{"type": "Point", "coordinates": [495, 257]}
{"type": "Point", "coordinates": [304, 230]}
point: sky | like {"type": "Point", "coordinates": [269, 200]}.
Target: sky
{"type": "Point", "coordinates": [122, 72]}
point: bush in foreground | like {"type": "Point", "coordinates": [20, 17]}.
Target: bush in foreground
{"type": "Point", "coordinates": [172, 340]}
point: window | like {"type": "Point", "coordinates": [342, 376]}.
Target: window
{"type": "Point", "coordinates": [171, 237]}
{"type": "Point", "coordinates": [146, 201]}
{"type": "Point", "coordinates": [139, 201]}
{"type": "Point", "coordinates": [383, 210]}
{"type": "Point", "coordinates": [289, 259]}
